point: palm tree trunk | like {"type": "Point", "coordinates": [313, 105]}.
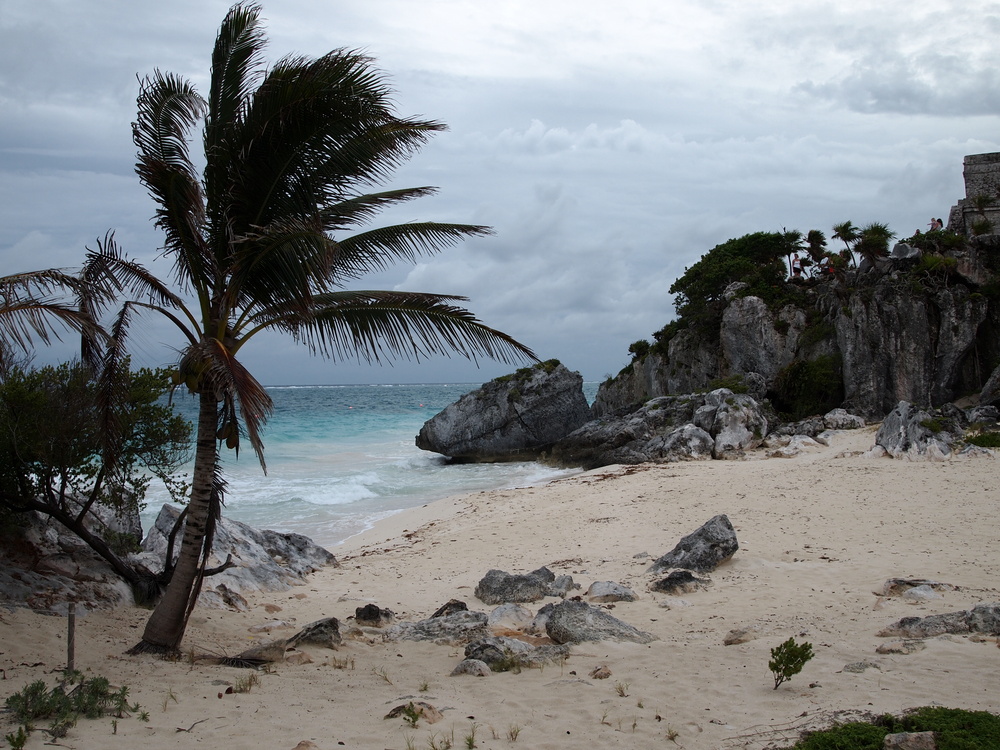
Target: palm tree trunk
{"type": "Point", "coordinates": [165, 628]}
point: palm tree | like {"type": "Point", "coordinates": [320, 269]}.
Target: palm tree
{"type": "Point", "coordinates": [848, 233]}
{"type": "Point", "coordinates": [873, 241]}
{"type": "Point", "coordinates": [257, 243]}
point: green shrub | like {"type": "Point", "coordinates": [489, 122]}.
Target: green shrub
{"type": "Point", "coordinates": [955, 728]}
{"type": "Point", "coordinates": [934, 425]}
{"type": "Point", "coordinates": [639, 349]}
{"type": "Point", "coordinates": [788, 659]}
{"type": "Point", "coordinates": [985, 439]}
{"type": "Point", "coordinates": [735, 383]}
{"type": "Point", "coordinates": [807, 387]}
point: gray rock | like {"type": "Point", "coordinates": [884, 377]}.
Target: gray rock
{"type": "Point", "coordinates": [503, 654]}
{"type": "Point", "coordinates": [325, 632]}
{"type": "Point", "coordinates": [264, 560]}
{"type": "Point", "coordinates": [472, 667]}
{"type": "Point", "coordinates": [450, 607]}
{"type": "Point", "coordinates": [500, 587]}
{"type": "Point", "coordinates": [990, 395]}
{"type": "Point", "coordinates": [904, 434]}
{"type": "Point", "coordinates": [985, 414]}
{"type": "Point", "coordinates": [680, 582]}
{"type": "Point", "coordinates": [373, 616]}
{"type": "Point", "coordinates": [703, 550]}
{"type": "Point", "coordinates": [737, 423]}
{"type": "Point", "coordinates": [910, 741]}
{"type": "Point", "coordinates": [576, 622]}
{"type": "Point", "coordinates": [510, 616]}
{"type": "Point", "coordinates": [840, 419]}
{"type": "Point", "coordinates": [899, 586]}
{"type": "Point", "coordinates": [454, 629]}
{"type": "Point", "coordinates": [45, 568]}
{"type": "Point", "coordinates": [983, 618]}
{"type": "Point", "coordinates": [609, 591]}
{"type": "Point", "coordinates": [513, 418]}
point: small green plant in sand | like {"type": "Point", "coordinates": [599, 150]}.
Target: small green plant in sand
{"type": "Point", "coordinates": [622, 689]}
{"type": "Point", "coordinates": [788, 659]}
{"type": "Point", "coordinates": [411, 714]}
{"type": "Point", "coordinates": [90, 699]}
{"type": "Point", "coordinates": [345, 663]}
{"type": "Point", "coordinates": [424, 686]}
{"type": "Point", "coordinates": [470, 738]}
{"type": "Point", "coordinates": [513, 732]}
{"type": "Point", "coordinates": [381, 672]}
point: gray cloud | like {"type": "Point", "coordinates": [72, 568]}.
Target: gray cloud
{"type": "Point", "coordinates": [608, 145]}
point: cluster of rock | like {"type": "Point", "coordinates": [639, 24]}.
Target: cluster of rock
{"type": "Point", "coordinates": [914, 433]}
{"type": "Point", "coordinates": [719, 424]}
{"type": "Point", "coordinates": [511, 637]}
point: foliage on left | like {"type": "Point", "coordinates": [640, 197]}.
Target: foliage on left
{"type": "Point", "coordinates": [53, 456]}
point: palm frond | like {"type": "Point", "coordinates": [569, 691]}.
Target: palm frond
{"type": "Point", "coordinates": [352, 212]}
{"type": "Point", "coordinates": [314, 130]}
{"type": "Point", "coordinates": [168, 107]}
{"type": "Point", "coordinates": [211, 366]}
{"type": "Point", "coordinates": [377, 249]}
{"type": "Point", "coordinates": [372, 325]}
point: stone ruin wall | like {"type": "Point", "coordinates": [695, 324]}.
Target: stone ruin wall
{"type": "Point", "coordinates": [982, 177]}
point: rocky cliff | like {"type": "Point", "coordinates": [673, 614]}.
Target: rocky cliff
{"type": "Point", "coordinates": [918, 326]}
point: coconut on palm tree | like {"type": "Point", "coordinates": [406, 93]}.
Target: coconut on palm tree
{"type": "Point", "coordinates": [260, 242]}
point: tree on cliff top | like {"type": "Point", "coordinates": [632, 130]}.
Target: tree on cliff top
{"type": "Point", "coordinates": [756, 259]}
{"type": "Point", "coordinates": [257, 240]}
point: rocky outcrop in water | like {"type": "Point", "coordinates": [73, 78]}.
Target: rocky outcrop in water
{"type": "Point", "coordinates": [512, 418]}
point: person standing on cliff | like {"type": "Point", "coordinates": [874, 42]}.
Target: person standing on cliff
{"type": "Point", "coordinates": [796, 266]}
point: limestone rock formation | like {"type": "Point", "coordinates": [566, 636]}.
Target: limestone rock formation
{"type": "Point", "coordinates": [512, 418]}
{"type": "Point", "coordinates": [719, 424]}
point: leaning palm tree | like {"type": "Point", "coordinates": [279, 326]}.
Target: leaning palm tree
{"type": "Point", "coordinates": [849, 235]}
{"type": "Point", "coordinates": [258, 244]}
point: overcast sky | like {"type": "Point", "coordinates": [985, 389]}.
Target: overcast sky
{"type": "Point", "coordinates": [609, 145]}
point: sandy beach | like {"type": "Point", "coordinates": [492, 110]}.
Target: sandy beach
{"type": "Point", "coordinates": [819, 535]}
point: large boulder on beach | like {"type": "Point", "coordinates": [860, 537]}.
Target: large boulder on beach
{"type": "Point", "coordinates": [500, 587]}
{"type": "Point", "coordinates": [454, 629]}
{"type": "Point", "coordinates": [576, 622]}
{"type": "Point", "coordinates": [983, 618]}
{"type": "Point", "coordinates": [911, 432]}
{"type": "Point", "coordinates": [702, 550]}
{"type": "Point", "coordinates": [512, 418]}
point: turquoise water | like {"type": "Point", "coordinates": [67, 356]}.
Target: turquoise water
{"type": "Point", "coordinates": [341, 457]}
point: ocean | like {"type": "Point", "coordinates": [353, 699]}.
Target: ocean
{"type": "Point", "coordinates": [341, 457]}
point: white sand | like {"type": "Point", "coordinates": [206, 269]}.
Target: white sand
{"type": "Point", "coordinates": [818, 535]}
